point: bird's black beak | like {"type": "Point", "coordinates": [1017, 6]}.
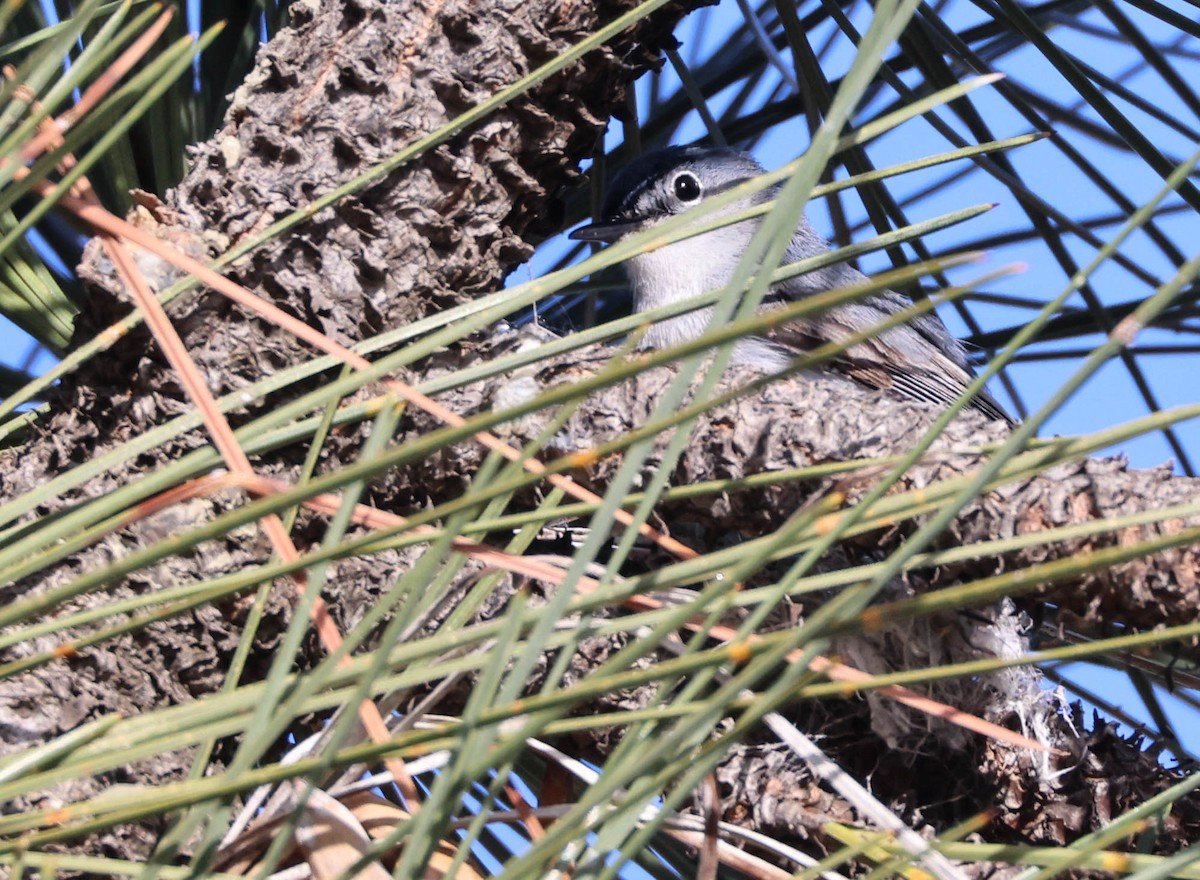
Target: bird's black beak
{"type": "Point", "coordinates": [606, 231]}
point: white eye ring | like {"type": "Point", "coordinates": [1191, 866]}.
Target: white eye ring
{"type": "Point", "coordinates": [686, 187]}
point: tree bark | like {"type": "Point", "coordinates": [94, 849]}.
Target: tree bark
{"type": "Point", "coordinates": [913, 762]}
{"type": "Point", "coordinates": [347, 86]}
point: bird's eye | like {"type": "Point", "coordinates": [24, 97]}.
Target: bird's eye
{"type": "Point", "coordinates": [687, 187]}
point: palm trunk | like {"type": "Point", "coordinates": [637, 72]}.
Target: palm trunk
{"type": "Point", "coordinates": [346, 87]}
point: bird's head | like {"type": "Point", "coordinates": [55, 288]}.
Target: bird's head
{"type": "Point", "coordinates": [663, 183]}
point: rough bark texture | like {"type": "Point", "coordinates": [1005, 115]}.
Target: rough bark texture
{"type": "Point", "coordinates": [350, 84]}
{"type": "Point", "coordinates": [926, 771]}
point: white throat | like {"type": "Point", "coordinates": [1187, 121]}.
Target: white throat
{"type": "Point", "coordinates": [682, 271]}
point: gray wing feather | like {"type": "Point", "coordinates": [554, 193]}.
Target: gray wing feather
{"type": "Point", "coordinates": [920, 359]}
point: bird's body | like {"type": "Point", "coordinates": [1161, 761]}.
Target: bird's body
{"type": "Point", "coordinates": [919, 359]}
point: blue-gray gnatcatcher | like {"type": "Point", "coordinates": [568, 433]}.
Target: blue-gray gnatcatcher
{"type": "Point", "coordinates": [919, 359]}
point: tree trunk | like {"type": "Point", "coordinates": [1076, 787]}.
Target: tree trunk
{"type": "Point", "coordinates": [349, 84]}
{"type": "Point", "coordinates": [346, 87]}
{"type": "Point", "coordinates": [911, 760]}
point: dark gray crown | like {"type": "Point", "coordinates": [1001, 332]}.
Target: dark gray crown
{"type": "Point", "coordinates": [640, 190]}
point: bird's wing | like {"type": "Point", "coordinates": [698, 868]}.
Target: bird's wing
{"type": "Point", "coordinates": [919, 360]}
{"type": "Point", "coordinates": [927, 325]}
